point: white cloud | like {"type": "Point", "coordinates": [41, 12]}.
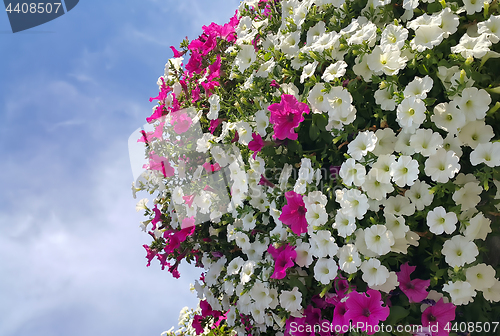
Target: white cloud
{"type": "Point", "coordinates": [71, 250]}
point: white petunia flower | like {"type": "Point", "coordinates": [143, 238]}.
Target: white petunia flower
{"type": "Point", "coordinates": [317, 99]}
{"type": "Point", "coordinates": [378, 239]}
{"type": "Point", "coordinates": [420, 195]}
{"type": "Point", "coordinates": [291, 300]}
{"type": "Point", "coordinates": [262, 121]}
{"type": "Point", "coordinates": [304, 256]}
{"type": "Point", "coordinates": [491, 28]}
{"type": "Point", "coordinates": [235, 265]}
{"type": "Point", "coordinates": [349, 260]}
{"type": "Point", "coordinates": [316, 215]}
{"type": "Point", "coordinates": [418, 88]}
{"type": "Point", "coordinates": [290, 44]}
{"type": "Point", "coordinates": [428, 36]}
{"type": "Point", "coordinates": [386, 99]}
{"type": "Point", "coordinates": [364, 143]}
{"type": "Point", "coordinates": [440, 221]}
{"type": "Point", "coordinates": [448, 117]}
{"type": "Point", "coordinates": [474, 6]}
{"type": "Point", "coordinates": [449, 21]}
{"type": "Point", "coordinates": [382, 168]}
{"type": "Point", "coordinates": [442, 166]}
{"type": "Point", "coordinates": [315, 32]}
{"type": "Point", "coordinates": [315, 197]}
{"type": "Point", "coordinates": [396, 225]}
{"type": "Point", "coordinates": [308, 71]}
{"type": "Point", "coordinates": [386, 138]}
{"type": "Point", "coordinates": [478, 228]}
{"type": "Point", "coordinates": [410, 114]}
{"type": "Point", "coordinates": [242, 240]}
{"type": "Point", "coordinates": [325, 270]}
{"type": "Point", "coordinates": [461, 292]}
{"type": "Point", "coordinates": [399, 206]}
{"type": "Point", "coordinates": [361, 244]}
{"type": "Point", "coordinates": [426, 142]}
{"type": "Point", "coordinates": [353, 202]}
{"type": "Point", "coordinates": [474, 103]}
{"type": "Point", "coordinates": [246, 56]}
{"type": "Point", "coordinates": [374, 273]}
{"type": "Point", "coordinates": [374, 188]}
{"type": "Point", "coordinates": [480, 276]}
{"type": "Point", "coordinates": [386, 59]}
{"type": "Point", "coordinates": [404, 171]}
{"type": "Point", "coordinates": [487, 153]}
{"type": "Point", "coordinates": [352, 172]}
{"type": "Point", "coordinates": [203, 144]}
{"type": "Point", "coordinates": [475, 132]}
{"type": "Point", "coordinates": [394, 35]}
{"type": "Point", "coordinates": [475, 47]}
{"type": "Point", "coordinates": [344, 224]}
{"type": "Point", "coordinates": [265, 68]}
{"type": "Point", "coordinates": [459, 251]}
{"type": "Point", "coordinates": [390, 284]}
{"type": "Point", "coordinates": [214, 102]}
{"type": "Point", "coordinates": [335, 70]}
{"type": "Point", "coordinates": [402, 144]}
{"type": "Point", "coordinates": [141, 205]}
{"type": "Point", "coordinates": [452, 143]}
{"type": "Point", "coordinates": [468, 196]}
{"type": "Point", "coordinates": [246, 271]}
{"type": "Point", "coordinates": [492, 294]}
{"type": "Point", "coordinates": [362, 69]}
{"type": "Point", "coordinates": [323, 244]}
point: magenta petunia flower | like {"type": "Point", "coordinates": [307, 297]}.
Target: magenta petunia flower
{"type": "Point", "coordinates": [339, 318]}
{"type": "Point", "coordinates": [214, 124]}
{"type": "Point", "coordinates": [439, 314]}
{"type": "Point", "coordinates": [286, 116]}
{"type": "Point", "coordinates": [416, 289]}
{"type": "Point", "coordinates": [283, 258]}
{"type": "Point", "coordinates": [162, 164]}
{"type": "Point", "coordinates": [181, 122]}
{"type": "Point", "coordinates": [256, 144]}
{"type": "Point", "coordinates": [294, 213]}
{"type": "Point", "coordinates": [366, 309]}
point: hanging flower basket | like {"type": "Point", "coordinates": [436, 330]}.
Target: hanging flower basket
{"type": "Point", "coordinates": [332, 168]}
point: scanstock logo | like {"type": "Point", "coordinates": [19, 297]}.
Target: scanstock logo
{"type": "Point", "coordinates": [28, 14]}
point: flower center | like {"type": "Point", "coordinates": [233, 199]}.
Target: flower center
{"type": "Point", "coordinates": [432, 318]}
{"type": "Point", "coordinates": [301, 210]}
{"type": "Point", "coordinates": [290, 117]}
{"type": "Point", "coordinates": [366, 312]}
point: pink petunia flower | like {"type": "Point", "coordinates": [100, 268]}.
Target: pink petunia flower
{"type": "Point", "coordinates": [188, 199]}
{"type": "Point", "coordinates": [256, 144]}
{"type": "Point", "coordinates": [366, 309]}
{"type": "Point", "coordinates": [162, 164]}
{"type": "Point", "coordinates": [284, 258]}
{"type": "Point", "coordinates": [181, 122]}
{"type": "Point", "coordinates": [416, 289]}
{"type": "Point", "coordinates": [210, 168]}
{"type": "Point", "coordinates": [294, 213]}
{"type": "Point", "coordinates": [286, 116]}
{"type": "Point", "coordinates": [214, 124]}
{"type": "Point", "coordinates": [339, 319]}
{"type": "Point", "coordinates": [439, 315]}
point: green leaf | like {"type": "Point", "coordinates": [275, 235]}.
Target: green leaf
{"type": "Point", "coordinates": [321, 120]}
{"type": "Point", "coordinates": [313, 132]}
{"type": "Point", "coordinates": [397, 314]}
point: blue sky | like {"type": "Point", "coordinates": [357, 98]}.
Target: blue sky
{"type": "Point", "coordinates": [71, 92]}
